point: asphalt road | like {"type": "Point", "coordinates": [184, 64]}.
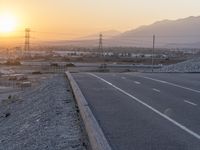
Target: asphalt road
{"type": "Point", "coordinates": [145, 111]}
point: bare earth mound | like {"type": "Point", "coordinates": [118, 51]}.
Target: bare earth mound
{"type": "Point", "coordinates": [192, 65]}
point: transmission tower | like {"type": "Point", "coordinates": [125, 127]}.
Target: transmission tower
{"type": "Point", "coordinates": [27, 40]}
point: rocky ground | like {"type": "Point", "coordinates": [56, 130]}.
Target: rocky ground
{"type": "Point", "coordinates": [44, 117]}
{"type": "Point", "coordinates": [192, 65]}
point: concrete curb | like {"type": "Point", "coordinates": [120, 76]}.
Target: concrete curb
{"type": "Point", "coordinates": [95, 134]}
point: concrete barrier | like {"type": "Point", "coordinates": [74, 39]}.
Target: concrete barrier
{"type": "Point", "coordinates": [95, 134]}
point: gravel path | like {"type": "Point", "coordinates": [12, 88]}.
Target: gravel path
{"type": "Point", "coordinates": [44, 118]}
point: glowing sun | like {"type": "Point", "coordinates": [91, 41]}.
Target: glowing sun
{"type": "Point", "coordinates": [7, 23]}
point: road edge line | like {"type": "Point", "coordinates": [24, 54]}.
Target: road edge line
{"type": "Point", "coordinates": [95, 134]}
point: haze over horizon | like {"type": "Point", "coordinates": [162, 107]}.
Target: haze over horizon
{"type": "Point", "coordinates": [70, 19]}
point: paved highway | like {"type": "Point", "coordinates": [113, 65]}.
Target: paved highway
{"type": "Point", "coordinates": [145, 111]}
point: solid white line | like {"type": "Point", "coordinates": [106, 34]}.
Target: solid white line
{"type": "Point", "coordinates": [136, 82]}
{"type": "Point", "coordinates": [151, 108]}
{"type": "Point", "coordinates": [191, 103]}
{"type": "Point", "coordinates": [173, 84]}
{"type": "Point", "coordinates": [156, 90]}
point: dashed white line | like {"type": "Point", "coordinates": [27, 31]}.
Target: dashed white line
{"type": "Point", "coordinates": [189, 102]}
{"type": "Point", "coordinates": [151, 108]}
{"type": "Point", "coordinates": [156, 90]}
{"type": "Point", "coordinates": [173, 84]}
{"type": "Point", "coordinates": [136, 82]}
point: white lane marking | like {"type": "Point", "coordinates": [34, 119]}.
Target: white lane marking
{"type": "Point", "coordinates": [156, 90]}
{"type": "Point", "coordinates": [136, 82]}
{"type": "Point", "coordinates": [189, 102]}
{"type": "Point", "coordinates": [123, 78]}
{"type": "Point", "coordinates": [173, 84]}
{"type": "Point", "coordinates": [151, 108]}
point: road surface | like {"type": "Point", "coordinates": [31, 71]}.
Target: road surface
{"type": "Point", "coordinates": [145, 111]}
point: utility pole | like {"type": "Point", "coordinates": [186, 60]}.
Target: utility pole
{"type": "Point", "coordinates": [101, 48]}
{"type": "Point", "coordinates": [27, 40]}
{"type": "Point", "coordinates": [8, 53]}
{"type": "Point", "coordinates": [101, 43]}
{"type": "Point", "coordinates": [152, 55]}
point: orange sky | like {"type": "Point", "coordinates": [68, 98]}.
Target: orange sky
{"type": "Point", "coordinates": [77, 18]}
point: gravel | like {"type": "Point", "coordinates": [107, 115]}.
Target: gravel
{"type": "Point", "coordinates": [192, 65]}
{"type": "Point", "coordinates": [43, 118]}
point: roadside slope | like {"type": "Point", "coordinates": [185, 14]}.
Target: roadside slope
{"type": "Point", "coordinates": [42, 118]}
{"type": "Point", "coordinates": [192, 65]}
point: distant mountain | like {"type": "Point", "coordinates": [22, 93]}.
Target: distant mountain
{"type": "Point", "coordinates": [87, 41]}
{"type": "Point", "coordinates": [76, 43]}
{"type": "Point", "coordinates": [182, 32]}
{"type": "Point", "coordinates": [106, 34]}
{"type": "Point", "coordinates": [184, 45]}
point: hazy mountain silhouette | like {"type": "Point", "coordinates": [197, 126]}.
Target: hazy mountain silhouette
{"type": "Point", "coordinates": [169, 33]}
{"type": "Point", "coordinates": [106, 34]}
{"type": "Point", "coordinates": [86, 41]}
{"type": "Point", "coordinates": [181, 27]}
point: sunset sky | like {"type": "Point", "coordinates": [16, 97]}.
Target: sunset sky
{"type": "Point", "coordinates": [76, 18]}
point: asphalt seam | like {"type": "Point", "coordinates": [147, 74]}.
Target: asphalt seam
{"type": "Point", "coordinates": [96, 136]}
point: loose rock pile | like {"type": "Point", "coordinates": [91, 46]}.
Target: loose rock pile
{"type": "Point", "coordinates": [42, 118]}
{"type": "Point", "coordinates": [192, 65]}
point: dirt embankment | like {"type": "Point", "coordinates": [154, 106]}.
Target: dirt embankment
{"type": "Point", "coordinates": [43, 117]}
{"type": "Point", "coordinates": [192, 65]}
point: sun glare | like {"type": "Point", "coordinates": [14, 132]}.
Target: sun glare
{"type": "Point", "coordinates": [7, 23]}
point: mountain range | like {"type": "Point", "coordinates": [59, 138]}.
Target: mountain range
{"type": "Point", "coordinates": [180, 33]}
{"type": "Point", "coordinates": [169, 33]}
